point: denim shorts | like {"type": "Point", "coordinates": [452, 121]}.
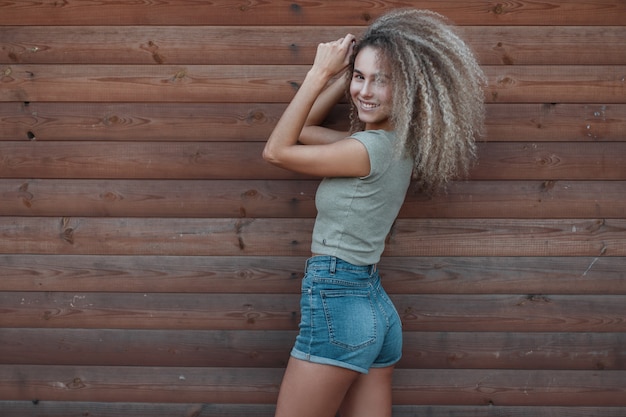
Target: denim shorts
{"type": "Point", "coordinates": [348, 319]}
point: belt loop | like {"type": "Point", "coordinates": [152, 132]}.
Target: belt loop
{"type": "Point", "coordinates": [333, 264]}
{"type": "Point", "coordinates": [373, 269]}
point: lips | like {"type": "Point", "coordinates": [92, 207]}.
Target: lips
{"type": "Point", "coordinates": [368, 106]}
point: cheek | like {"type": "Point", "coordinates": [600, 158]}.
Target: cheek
{"type": "Point", "coordinates": [354, 89]}
{"type": "Point", "coordinates": [385, 95]}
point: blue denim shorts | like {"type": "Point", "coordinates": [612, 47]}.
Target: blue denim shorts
{"type": "Point", "coordinates": [348, 319]}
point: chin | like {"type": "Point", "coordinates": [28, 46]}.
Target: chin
{"type": "Point", "coordinates": [373, 121]}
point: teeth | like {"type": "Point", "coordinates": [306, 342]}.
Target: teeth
{"type": "Point", "coordinates": [368, 106]}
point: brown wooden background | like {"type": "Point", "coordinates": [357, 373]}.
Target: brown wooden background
{"type": "Point", "coordinates": [150, 260]}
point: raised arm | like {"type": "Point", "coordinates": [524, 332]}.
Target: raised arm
{"type": "Point", "coordinates": [338, 158]}
{"type": "Point", "coordinates": [312, 132]}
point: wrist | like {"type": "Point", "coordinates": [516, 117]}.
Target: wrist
{"type": "Point", "coordinates": [318, 76]}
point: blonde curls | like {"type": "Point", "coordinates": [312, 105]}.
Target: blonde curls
{"type": "Point", "coordinates": [438, 96]}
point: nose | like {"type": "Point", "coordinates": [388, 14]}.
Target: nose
{"type": "Point", "coordinates": [366, 89]}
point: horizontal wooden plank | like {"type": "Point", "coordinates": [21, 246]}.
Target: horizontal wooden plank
{"type": "Point", "coordinates": [137, 409]}
{"type": "Point", "coordinates": [277, 83]}
{"type": "Point", "coordinates": [292, 237]}
{"type": "Point", "coordinates": [235, 122]}
{"type": "Point", "coordinates": [225, 12]}
{"type": "Point", "coordinates": [295, 198]}
{"type": "Point", "coordinates": [505, 350]}
{"type": "Point", "coordinates": [172, 83]}
{"type": "Point", "coordinates": [139, 384]}
{"type": "Point", "coordinates": [562, 84]}
{"type": "Point", "coordinates": [552, 122]}
{"type": "Point", "coordinates": [150, 311]}
{"type": "Point", "coordinates": [290, 45]}
{"type": "Point", "coordinates": [549, 45]}
{"type": "Point", "coordinates": [270, 348]}
{"type": "Point", "coordinates": [544, 161]}
{"type": "Point", "coordinates": [550, 161]}
{"type": "Point", "coordinates": [507, 238]}
{"type": "Point", "coordinates": [427, 312]}
{"type": "Point", "coordinates": [109, 409]}
{"type": "Point", "coordinates": [163, 160]}
{"type": "Point", "coordinates": [238, 385]}
{"type": "Point", "coordinates": [505, 411]}
{"type": "Point", "coordinates": [281, 274]}
{"type": "Point", "coordinates": [489, 387]}
{"type": "Point", "coordinates": [509, 313]}
{"type": "Point", "coordinates": [142, 121]}
{"type": "Point", "coordinates": [519, 199]}
{"type": "Point", "coordinates": [80, 409]}
{"type": "Point", "coordinates": [128, 347]}
{"type": "Point", "coordinates": [495, 275]}
{"type": "Point", "coordinates": [140, 409]}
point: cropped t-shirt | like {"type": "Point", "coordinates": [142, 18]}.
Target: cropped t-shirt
{"type": "Point", "coordinates": [354, 215]}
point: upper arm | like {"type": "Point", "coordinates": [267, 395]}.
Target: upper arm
{"type": "Point", "coordinates": [344, 158]}
{"type": "Point", "coordinates": [319, 135]}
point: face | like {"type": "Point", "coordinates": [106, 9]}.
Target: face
{"type": "Point", "coordinates": [370, 90]}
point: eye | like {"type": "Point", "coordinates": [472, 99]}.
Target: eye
{"type": "Point", "coordinates": [381, 80]}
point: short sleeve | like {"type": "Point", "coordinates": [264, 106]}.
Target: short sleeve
{"type": "Point", "coordinates": [379, 149]}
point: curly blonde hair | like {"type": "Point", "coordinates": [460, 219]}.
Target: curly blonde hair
{"type": "Point", "coordinates": [438, 96]}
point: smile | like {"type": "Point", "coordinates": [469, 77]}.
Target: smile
{"type": "Point", "coordinates": [368, 106]}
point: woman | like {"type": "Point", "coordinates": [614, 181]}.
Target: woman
{"type": "Point", "coordinates": [416, 108]}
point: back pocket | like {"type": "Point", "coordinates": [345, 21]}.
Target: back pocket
{"type": "Point", "coordinates": [351, 317]}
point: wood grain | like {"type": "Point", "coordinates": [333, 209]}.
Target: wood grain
{"type": "Point", "coordinates": [295, 199]}
{"type": "Point", "coordinates": [290, 45]}
{"type": "Point", "coordinates": [543, 161]}
{"type": "Point", "coordinates": [484, 387]}
{"type": "Point", "coordinates": [139, 409]}
{"type": "Point", "coordinates": [151, 261]}
{"type": "Point", "coordinates": [108, 409]}
{"type": "Point", "coordinates": [419, 312]}
{"type": "Point", "coordinates": [235, 122]}
{"type": "Point", "coordinates": [269, 348]}
{"type": "Point", "coordinates": [281, 274]}
{"type": "Point", "coordinates": [292, 237]}
{"type": "Point", "coordinates": [280, 12]}
{"type": "Point", "coordinates": [237, 385]}
{"type": "Point", "coordinates": [596, 84]}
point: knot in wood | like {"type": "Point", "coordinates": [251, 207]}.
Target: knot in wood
{"type": "Point", "coordinates": [76, 383]}
{"type": "Point", "coordinates": [498, 9]}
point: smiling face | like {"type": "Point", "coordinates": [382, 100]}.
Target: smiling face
{"type": "Point", "coordinates": [370, 90]}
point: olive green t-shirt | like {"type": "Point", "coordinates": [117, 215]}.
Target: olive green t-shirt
{"type": "Point", "coordinates": [354, 215]}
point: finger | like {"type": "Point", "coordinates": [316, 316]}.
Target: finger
{"type": "Point", "coordinates": [348, 39]}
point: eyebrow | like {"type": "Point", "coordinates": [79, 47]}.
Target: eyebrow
{"type": "Point", "coordinates": [377, 75]}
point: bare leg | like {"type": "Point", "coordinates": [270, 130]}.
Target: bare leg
{"type": "Point", "coordinates": [369, 395]}
{"type": "Point", "coordinates": [313, 390]}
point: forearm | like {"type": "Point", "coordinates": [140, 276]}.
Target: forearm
{"type": "Point", "coordinates": [332, 58]}
{"type": "Point", "coordinates": [289, 126]}
{"type": "Point", "coordinates": [326, 100]}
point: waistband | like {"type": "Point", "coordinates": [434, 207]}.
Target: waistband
{"type": "Point", "coordinates": [332, 263]}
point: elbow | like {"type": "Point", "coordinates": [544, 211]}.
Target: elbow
{"type": "Point", "coordinates": [275, 156]}
{"type": "Point", "coordinates": [269, 155]}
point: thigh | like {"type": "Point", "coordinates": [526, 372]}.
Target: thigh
{"type": "Point", "coordinates": [313, 390]}
{"type": "Point", "coordinates": [369, 395]}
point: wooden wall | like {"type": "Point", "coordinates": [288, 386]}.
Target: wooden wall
{"type": "Point", "coordinates": [150, 260]}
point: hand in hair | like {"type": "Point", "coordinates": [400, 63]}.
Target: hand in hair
{"type": "Point", "coordinates": [333, 57]}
